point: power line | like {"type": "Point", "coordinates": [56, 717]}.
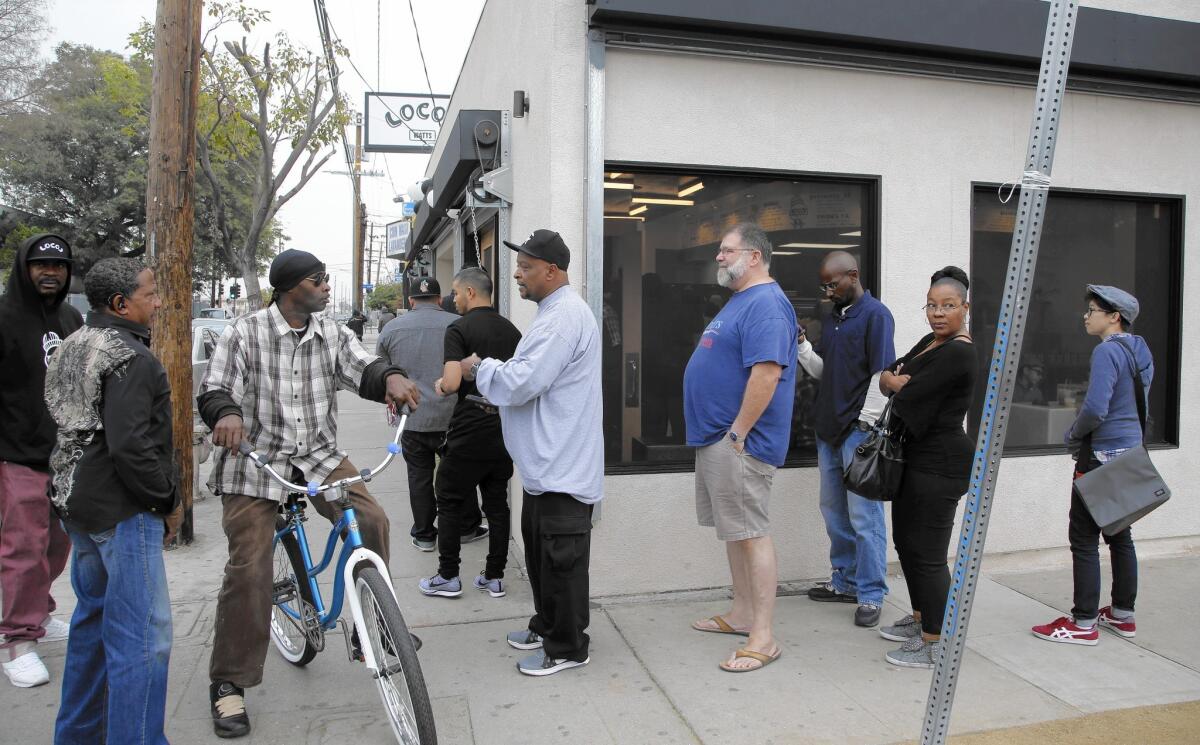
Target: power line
{"type": "Point", "coordinates": [421, 50]}
{"type": "Point", "coordinates": [370, 89]}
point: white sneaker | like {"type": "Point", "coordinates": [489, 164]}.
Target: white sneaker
{"type": "Point", "coordinates": [27, 671]}
{"type": "Point", "coordinates": [56, 630]}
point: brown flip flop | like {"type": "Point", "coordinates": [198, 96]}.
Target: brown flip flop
{"type": "Point", "coordinates": [763, 659]}
{"type": "Point", "coordinates": [723, 627]}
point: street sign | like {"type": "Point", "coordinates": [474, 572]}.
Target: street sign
{"type": "Point", "coordinates": [409, 209]}
{"type": "Point", "coordinates": [368, 286]}
{"type": "Point", "coordinates": [403, 122]}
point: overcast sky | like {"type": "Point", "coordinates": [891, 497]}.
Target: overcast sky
{"type": "Point", "coordinates": [318, 219]}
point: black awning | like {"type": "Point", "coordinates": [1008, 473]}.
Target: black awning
{"type": "Point", "coordinates": [475, 135]}
{"type": "Point", "coordinates": [1106, 43]}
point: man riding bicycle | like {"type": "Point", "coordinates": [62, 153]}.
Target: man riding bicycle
{"type": "Point", "coordinates": [273, 381]}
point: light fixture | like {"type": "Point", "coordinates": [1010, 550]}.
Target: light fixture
{"type": "Point", "coordinates": [819, 245]}
{"type": "Point", "coordinates": [638, 210]}
{"type": "Point", "coordinates": [852, 234]}
{"type": "Point", "coordinates": [663, 200]}
{"type": "Point", "coordinates": [615, 175]}
{"type": "Point", "coordinates": [623, 217]}
{"type": "Point", "coordinates": [691, 188]}
{"type": "Point", "coordinates": [785, 253]}
{"type": "Point", "coordinates": [617, 185]}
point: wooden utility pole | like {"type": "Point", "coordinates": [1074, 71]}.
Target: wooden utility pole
{"type": "Point", "coordinates": [175, 87]}
{"type": "Point", "coordinates": [356, 216]}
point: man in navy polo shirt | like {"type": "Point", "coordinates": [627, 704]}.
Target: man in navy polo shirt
{"type": "Point", "coordinates": [856, 346]}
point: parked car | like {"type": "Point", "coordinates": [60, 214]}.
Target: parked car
{"type": "Point", "coordinates": [205, 333]}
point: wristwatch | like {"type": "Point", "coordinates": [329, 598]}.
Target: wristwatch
{"type": "Point", "coordinates": [733, 437]}
{"type": "Point", "coordinates": [475, 369]}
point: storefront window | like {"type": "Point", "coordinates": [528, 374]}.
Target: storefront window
{"type": "Point", "coordinates": [661, 233]}
{"type": "Point", "coordinates": [1129, 242]}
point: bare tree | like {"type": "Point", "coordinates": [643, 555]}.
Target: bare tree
{"type": "Point", "coordinates": [271, 110]}
{"type": "Point", "coordinates": [22, 28]}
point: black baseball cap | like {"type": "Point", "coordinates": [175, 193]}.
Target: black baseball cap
{"type": "Point", "coordinates": [545, 245]}
{"type": "Point", "coordinates": [424, 287]}
{"type": "Point", "coordinates": [47, 247]}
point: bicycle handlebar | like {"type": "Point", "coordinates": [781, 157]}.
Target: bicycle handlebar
{"type": "Point", "coordinates": [314, 488]}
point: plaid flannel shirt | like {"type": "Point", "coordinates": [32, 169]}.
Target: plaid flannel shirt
{"type": "Point", "coordinates": [286, 384]}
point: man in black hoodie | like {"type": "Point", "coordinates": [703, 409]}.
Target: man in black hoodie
{"type": "Point", "coordinates": [34, 319]}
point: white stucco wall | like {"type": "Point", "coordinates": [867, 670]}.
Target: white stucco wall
{"type": "Point", "coordinates": [927, 139]}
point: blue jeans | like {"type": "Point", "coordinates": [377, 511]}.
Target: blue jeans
{"type": "Point", "coordinates": [114, 686]}
{"type": "Point", "coordinates": [856, 527]}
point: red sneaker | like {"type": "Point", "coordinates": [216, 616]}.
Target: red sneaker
{"type": "Point", "coordinates": [1127, 629]}
{"type": "Point", "coordinates": [1064, 630]}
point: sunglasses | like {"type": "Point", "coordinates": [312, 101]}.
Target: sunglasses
{"type": "Point", "coordinates": [319, 279]}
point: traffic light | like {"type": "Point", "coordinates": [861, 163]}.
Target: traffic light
{"type": "Point", "coordinates": [235, 290]}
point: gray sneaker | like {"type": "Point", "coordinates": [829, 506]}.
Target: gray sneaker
{"type": "Point", "coordinates": [866, 615]}
{"type": "Point", "coordinates": [901, 631]}
{"type": "Point", "coordinates": [539, 664]}
{"type": "Point", "coordinates": [916, 652]}
{"type": "Point", "coordinates": [423, 545]}
{"type": "Point", "coordinates": [440, 586]}
{"type": "Point", "coordinates": [493, 587]}
{"type": "Point", "coordinates": [524, 639]}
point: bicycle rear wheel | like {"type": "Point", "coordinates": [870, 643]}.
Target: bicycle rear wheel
{"type": "Point", "coordinates": [293, 610]}
{"type": "Point", "coordinates": [401, 684]}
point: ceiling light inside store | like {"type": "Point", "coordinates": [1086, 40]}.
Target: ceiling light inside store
{"type": "Point", "coordinates": [615, 175]}
{"type": "Point", "coordinates": [662, 200]}
{"type": "Point", "coordinates": [623, 217]}
{"type": "Point", "coordinates": [617, 185]}
{"type": "Point", "coordinates": [638, 210]}
{"type": "Point", "coordinates": [852, 234]}
{"type": "Point", "coordinates": [691, 188]}
{"type": "Point", "coordinates": [819, 245]}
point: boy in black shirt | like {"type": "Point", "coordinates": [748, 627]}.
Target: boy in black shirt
{"type": "Point", "coordinates": [475, 456]}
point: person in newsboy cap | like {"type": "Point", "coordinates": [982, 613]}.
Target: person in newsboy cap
{"type": "Point", "coordinates": [1110, 423]}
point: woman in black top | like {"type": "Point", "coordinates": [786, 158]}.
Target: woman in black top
{"type": "Point", "coordinates": [930, 389]}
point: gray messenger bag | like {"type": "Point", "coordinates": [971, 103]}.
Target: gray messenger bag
{"type": "Point", "coordinates": [1128, 487]}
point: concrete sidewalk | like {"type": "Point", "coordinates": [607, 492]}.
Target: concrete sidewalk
{"type": "Point", "coordinates": [652, 679]}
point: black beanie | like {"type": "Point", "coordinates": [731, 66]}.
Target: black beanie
{"type": "Point", "coordinates": [290, 267]}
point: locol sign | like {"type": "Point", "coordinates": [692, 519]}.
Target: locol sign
{"type": "Point", "coordinates": [403, 122]}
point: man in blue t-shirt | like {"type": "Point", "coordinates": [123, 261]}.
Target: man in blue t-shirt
{"type": "Point", "coordinates": [856, 346]}
{"type": "Point", "coordinates": [738, 390]}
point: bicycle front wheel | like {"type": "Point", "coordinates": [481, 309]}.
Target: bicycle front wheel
{"type": "Point", "coordinates": [293, 611]}
{"type": "Point", "coordinates": [401, 684]}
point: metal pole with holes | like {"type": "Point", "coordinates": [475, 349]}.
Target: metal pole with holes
{"type": "Point", "coordinates": [1010, 331]}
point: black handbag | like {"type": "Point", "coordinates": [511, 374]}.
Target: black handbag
{"type": "Point", "coordinates": [1128, 487]}
{"type": "Point", "coordinates": [877, 466]}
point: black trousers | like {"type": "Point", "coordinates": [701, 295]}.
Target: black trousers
{"type": "Point", "coordinates": [557, 529]}
{"type": "Point", "coordinates": [922, 523]}
{"type": "Point", "coordinates": [457, 479]}
{"type": "Point", "coordinates": [420, 456]}
{"type": "Point", "coordinates": [1084, 536]}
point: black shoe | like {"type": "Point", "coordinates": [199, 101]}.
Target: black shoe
{"type": "Point", "coordinates": [867, 615]}
{"type": "Point", "coordinates": [228, 710]}
{"type": "Point", "coordinates": [825, 593]}
{"type": "Point", "coordinates": [480, 533]}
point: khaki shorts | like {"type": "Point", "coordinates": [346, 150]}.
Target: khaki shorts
{"type": "Point", "coordinates": [732, 491]}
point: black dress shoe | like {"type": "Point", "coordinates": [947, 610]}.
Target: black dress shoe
{"type": "Point", "coordinates": [228, 710]}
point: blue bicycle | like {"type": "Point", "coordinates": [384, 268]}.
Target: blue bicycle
{"type": "Point", "coordinates": [379, 637]}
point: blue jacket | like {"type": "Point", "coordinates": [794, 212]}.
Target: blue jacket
{"type": "Point", "coordinates": [1109, 412]}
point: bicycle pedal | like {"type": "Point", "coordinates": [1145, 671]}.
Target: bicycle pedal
{"type": "Point", "coordinates": [283, 592]}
